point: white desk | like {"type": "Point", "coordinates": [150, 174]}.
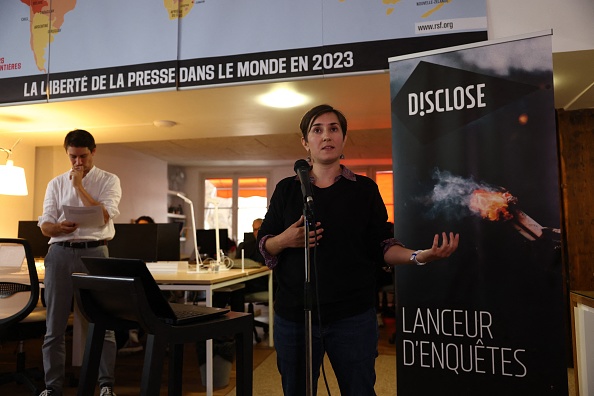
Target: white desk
{"type": "Point", "coordinates": [209, 282]}
{"type": "Point", "coordinates": [182, 280]}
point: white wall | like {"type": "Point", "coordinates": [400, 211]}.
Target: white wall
{"type": "Point", "coordinates": [143, 179]}
{"type": "Point", "coordinates": [570, 20]}
{"type": "Point", "coordinates": [49, 162]}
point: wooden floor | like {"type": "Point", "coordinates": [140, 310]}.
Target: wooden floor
{"type": "Point", "coordinates": [129, 368]}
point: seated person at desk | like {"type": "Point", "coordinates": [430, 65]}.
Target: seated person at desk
{"type": "Point", "coordinates": [251, 251]}
{"type": "Point", "coordinates": [252, 258]}
{"type": "Point", "coordinates": [250, 246]}
{"type": "Point", "coordinates": [144, 220]}
{"type": "Point", "coordinates": [231, 248]}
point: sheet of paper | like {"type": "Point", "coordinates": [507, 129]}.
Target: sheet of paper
{"type": "Point", "coordinates": [84, 216]}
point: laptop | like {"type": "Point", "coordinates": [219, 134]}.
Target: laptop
{"type": "Point", "coordinates": [171, 313]}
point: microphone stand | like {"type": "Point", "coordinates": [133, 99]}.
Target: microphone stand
{"type": "Point", "coordinates": [309, 220]}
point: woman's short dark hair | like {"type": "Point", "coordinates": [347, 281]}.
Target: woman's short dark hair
{"type": "Point", "coordinates": [79, 138]}
{"type": "Point", "coordinates": [309, 118]}
{"type": "Point", "coordinates": [148, 219]}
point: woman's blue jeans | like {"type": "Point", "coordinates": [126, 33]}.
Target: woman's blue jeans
{"type": "Point", "coordinates": [351, 346]}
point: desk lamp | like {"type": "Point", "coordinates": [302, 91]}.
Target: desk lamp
{"type": "Point", "coordinates": [197, 253]}
{"type": "Point", "coordinates": [12, 178]}
{"type": "Point", "coordinates": [217, 236]}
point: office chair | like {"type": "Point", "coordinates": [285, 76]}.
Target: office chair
{"type": "Point", "coordinates": [20, 316]}
{"type": "Point", "coordinates": [252, 299]}
{"type": "Point", "coordinates": [120, 303]}
{"type": "Point", "coordinates": [256, 293]}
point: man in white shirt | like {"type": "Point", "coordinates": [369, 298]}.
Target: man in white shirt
{"type": "Point", "coordinates": [83, 185]}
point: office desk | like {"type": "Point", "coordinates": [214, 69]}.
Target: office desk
{"type": "Point", "coordinates": [582, 328]}
{"type": "Point", "coordinates": [182, 280]}
{"type": "Point", "coordinates": [209, 282]}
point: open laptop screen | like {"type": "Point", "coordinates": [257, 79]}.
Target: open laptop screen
{"type": "Point", "coordinates": [134, 268]}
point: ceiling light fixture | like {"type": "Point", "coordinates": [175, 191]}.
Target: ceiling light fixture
{"type": "Point", "coordinates": [283, 98]}
{"type": "Point", "coordinates": [164, 123]}
{"type": "Point", "coordinates": [12, 178]}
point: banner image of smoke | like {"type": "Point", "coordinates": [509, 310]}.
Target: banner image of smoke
{"type": "Point", "coordinates": [457, 197]}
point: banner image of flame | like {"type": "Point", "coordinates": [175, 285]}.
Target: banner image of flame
{"type": "Point", "coordinates": [456, 196]}
{"type": "Point", "coordinates": [501, 206]}
{"type": "Point", "coordinates": [491, 205]}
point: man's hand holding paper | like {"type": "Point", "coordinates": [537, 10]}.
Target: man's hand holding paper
{"type": "Point", "coordinates": [84, 216]}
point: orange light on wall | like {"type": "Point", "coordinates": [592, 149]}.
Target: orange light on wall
{"type": "Point", "coordinates": [385, 182]}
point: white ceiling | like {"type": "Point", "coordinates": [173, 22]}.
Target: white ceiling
{"type": "Point", "coordinates": [227, 126]}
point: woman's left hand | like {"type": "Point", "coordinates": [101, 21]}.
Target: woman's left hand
{"type": "Point", "coordinates": [437, 251]}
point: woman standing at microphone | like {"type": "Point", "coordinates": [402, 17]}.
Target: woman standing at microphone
{"type": "Point", "coordinates": [350, 240]}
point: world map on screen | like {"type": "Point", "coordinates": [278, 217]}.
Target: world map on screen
{"type": "Point", "coordinates": [143, 31]}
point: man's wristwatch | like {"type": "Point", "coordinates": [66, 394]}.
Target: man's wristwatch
{"type": "Point", "coordinates": [413, 258]}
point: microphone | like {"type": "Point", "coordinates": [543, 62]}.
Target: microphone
{"type": "Point", "coordinates": [302, 170]}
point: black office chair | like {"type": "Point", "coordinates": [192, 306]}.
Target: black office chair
{"type": "Point", "coordinates": [20, 316]}
{"type": "Point", "coordinates": [121, 303]}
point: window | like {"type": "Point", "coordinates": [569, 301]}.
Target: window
{"type": "Point", "coordinates": [234, 203]}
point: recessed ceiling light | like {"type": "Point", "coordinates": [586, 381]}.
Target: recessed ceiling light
{"type": "Point", "coordinates": [282, 98]}
{"type": "Point", "coordinates": [164, 123]}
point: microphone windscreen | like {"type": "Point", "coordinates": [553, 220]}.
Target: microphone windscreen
{"type": "Point", "coordinates": [301, 164]}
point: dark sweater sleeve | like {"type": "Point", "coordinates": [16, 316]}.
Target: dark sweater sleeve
{"type": "Point", "coordinates": [281, 213]}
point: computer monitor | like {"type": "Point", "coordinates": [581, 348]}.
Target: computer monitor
{"type": "Point", "coordinates": [29, 230]}
{"type": "Point", "coordinates": [168, 248]}
{"type": "Point", "coordinates": [207, 243]}
{"type": "Point", "coordinates": [147, 242]}
{"type": "Point", "coordinates": [248, 237]}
